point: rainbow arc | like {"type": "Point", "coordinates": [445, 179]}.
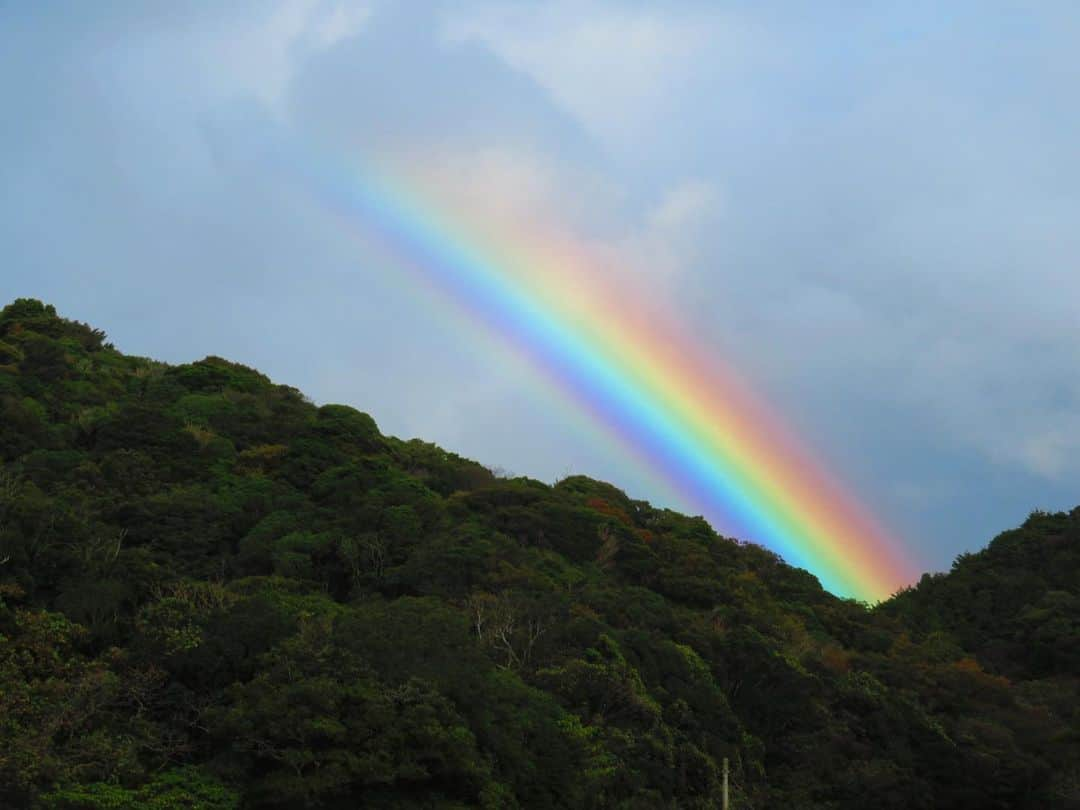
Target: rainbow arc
{"type": "Point", "coordinates": [683, 414]}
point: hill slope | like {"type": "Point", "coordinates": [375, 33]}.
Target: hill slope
{"type": "Point", "coordinates": [214, 593]}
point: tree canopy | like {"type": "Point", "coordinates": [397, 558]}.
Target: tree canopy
{"type": "Point", "coordinates": [216, 594]}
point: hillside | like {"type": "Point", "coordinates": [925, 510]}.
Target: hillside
{"type": "Point", "coordinates": [215, 594]}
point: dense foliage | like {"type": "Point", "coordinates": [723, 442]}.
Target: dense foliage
{"type": "Point", "coordinates": [215, 594]}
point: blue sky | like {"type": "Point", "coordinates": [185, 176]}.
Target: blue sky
{"type": "Point", "coordinates": [872, 210]}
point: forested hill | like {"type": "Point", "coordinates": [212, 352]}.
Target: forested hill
{"type": "Point", "coordinates": [215, 594]}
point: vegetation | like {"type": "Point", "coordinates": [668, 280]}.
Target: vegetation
{"type": "Point", "coordinates": [214, 594]}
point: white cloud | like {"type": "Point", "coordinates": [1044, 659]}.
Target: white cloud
{"type": "Point", "coordinates": [1051, 453]}
{"type": "Point", "coordinates": [616, 69]}
{"type": "Point", "coordinates": [261, 56]}
{"type": "Point", "coordinates": [517, 190]}
{"type": "Point", "coordinates": [339, 21]}
{"type": "Point", "coordinates": [671, 235]}
{"type": "Point", "coordinates": [686, 205]}
{"type": "Point", "coordinates": [505, 185]}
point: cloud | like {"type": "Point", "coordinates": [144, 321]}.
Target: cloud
{"type": "Point", "coordinates": [503, 185]}
{"type": "Point", "coordinates": [616, 67]}
{"type": "Point", "coordinates": [686, 205]}
{"type": "Point", "coordinates": [672, 236]}
{"type": "Point", "coordinates": [514, 189]}
{"type": "Point", "coordinates": [1052, 453]}
{"type": "Point", "coordinates": [262, 53]}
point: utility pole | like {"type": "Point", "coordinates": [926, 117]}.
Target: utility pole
{"type": "Point", "coordinates": [725, 784]}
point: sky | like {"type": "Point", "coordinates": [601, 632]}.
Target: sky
{"type": "Point", "coordinates": [871, 210]}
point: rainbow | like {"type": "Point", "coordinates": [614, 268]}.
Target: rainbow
{"type": "Point", "coordinates": [630, 367]}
